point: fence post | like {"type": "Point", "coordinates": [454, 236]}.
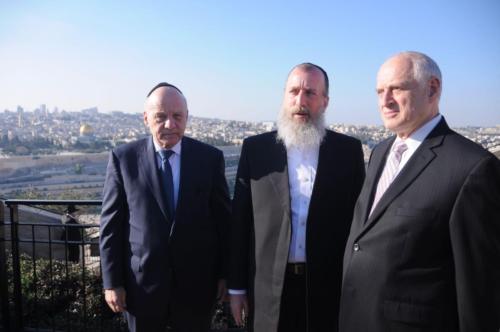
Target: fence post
{"type": "Point", "coordinates": [4, 287]}
{"type": "Point", "coordinates": [16, 268]}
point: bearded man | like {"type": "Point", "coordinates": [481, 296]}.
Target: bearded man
{"type": "Point", "coordinates": [292, 209]}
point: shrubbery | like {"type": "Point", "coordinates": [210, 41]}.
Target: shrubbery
{"type": "Point", "coordinates": [66, 297]}
{"type": "Point", "coordinates": [56, 296]}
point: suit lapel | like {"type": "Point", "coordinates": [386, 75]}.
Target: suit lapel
{"type": "Point", "coordinates": [422, 157]}
{"type": "Point", "coordinates": [280, 179]}
{"type": "Point", "coordinates": [149, 170]}
{"type": "Point", "coordinates": [276, 167]}
{"type": "Point", "coordinates": [327, 172]}
{"type": "Point", "coordinates": [188, 166]}
{"type": "Point", "coordinates": [374, 171]}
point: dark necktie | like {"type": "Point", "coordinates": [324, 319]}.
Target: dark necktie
{"type": "Point", "coordinates": [168, 180]}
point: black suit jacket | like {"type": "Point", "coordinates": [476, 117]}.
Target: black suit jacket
{"type": "Point", "coordinates": [428, 258]}
{"type": "Point", "coordinates": [261, 231]}
{"type": "Point", "coordinates": [137, 252]}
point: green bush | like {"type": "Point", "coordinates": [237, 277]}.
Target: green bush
{"type": "Point", "coordinates": [54, 295]}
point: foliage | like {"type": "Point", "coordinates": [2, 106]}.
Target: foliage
{"type": "Point", "coordinates": [222, 319]}
{"type": "Point", "coordinates": [26, 147]}
{"type": "Point", "coordinates": [35, 193]}
{"type": "Point", "coordinates": [78, 168]}
{"type": "Point", "coordinates": [63, 296]}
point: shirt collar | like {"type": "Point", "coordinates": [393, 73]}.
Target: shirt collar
{"type": "Point", "coordinates": [176, 148]}
{"type": "Point", "coordinates": [415, 139]}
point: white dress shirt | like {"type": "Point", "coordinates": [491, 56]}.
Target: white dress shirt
{"type": "Point", "coordinates": [302, 165]}
{"type": "Point", "coordinates": [415, 139]}
{"type": "Point", "coordinates": [175, 163]}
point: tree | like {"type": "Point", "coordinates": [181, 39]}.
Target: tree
{"type": "Point", "coordinates": [78, 168]}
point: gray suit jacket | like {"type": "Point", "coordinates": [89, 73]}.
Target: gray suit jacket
{"type": "Point", "coordinates": [428, 258]}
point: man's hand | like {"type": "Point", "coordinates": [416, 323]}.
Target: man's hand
{"type": "Point", "coordinates": [239, 308]}
{"type": "Point", "coordinates": [221, 290]}
{"type": "Point", "coordinates": [116, 299]}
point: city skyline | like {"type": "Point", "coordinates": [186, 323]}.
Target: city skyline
{"type": "Point", "coordinates": [53, 109]}
{"type": "Point", "coordinates": [42, 130]}
{"type": "Point", "coordinates": [231, 60]}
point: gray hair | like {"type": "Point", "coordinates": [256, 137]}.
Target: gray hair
{"type": "Point", "coordinates": [308, 135]}
{"type": "Point", "coordinates": [424, 68]}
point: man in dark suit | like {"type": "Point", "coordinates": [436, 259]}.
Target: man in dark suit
{"type": "Point", "coordinates": [164, 223]}
{"type": "Point", "coordinates": [423, 253]}
{"type": "Point", "coordinates": [294, 197]}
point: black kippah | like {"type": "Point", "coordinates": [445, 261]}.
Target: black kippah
{"type": "Point", "coordinates": [164, 84]}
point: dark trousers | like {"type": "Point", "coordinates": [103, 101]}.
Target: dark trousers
{"type": "Point", "coordinates": [175, 320]}
{"type": "Point", "coordinates": [146, 323]}
{"type": "Point", "coordinates": [187, 321]}
{"type": "Point", "coordinates": [293, 312]}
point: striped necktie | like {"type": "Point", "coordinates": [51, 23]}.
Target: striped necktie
{"type": "Point", "coordinates": [390, 171]}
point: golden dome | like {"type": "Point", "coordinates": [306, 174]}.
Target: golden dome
{"type": "Point", "coordinates": [86, 130]}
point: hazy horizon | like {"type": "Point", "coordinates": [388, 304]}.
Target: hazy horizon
{"type": "Point", "coordinates": [60, 109]}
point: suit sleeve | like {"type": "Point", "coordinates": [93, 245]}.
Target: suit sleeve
{"type": "Point", "coordinates": [475, 239]}
{"type": "Point", "coordinates": [113, 217]}
{"type": "Point", "coordinates": [220, 207]}
{"type": "Point", "coordinates": [242, 218]}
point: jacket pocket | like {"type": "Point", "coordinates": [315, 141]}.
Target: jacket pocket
{"type": "Point", "coordinates": [410, 313]}
{"type": "Point", "coordinates": [414, 212]}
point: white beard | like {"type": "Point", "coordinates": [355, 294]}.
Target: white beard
{"type": "Point", "coordinates": [300, 135]}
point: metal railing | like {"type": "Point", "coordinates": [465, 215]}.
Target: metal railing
{"type": "Point", "coordinates": [50, 281]}
{"type": "Point", "coordinates": [41, 287]}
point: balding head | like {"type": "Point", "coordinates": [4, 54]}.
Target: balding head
{"type": "Point", "coordinates": [165, 114]}
{"type": "Point", "coordinates": [423, 67]}
{"type": "Point", "coordinates": [408, 88]}
{"type": "Point", "coordinates": [311, 67]}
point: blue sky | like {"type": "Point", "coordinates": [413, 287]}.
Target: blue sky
{"type": "Point", "coordinates": [231, 58]}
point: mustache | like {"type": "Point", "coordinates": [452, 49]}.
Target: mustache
{"type": "Point", "coordinates": [300, 134]}
{"type": "Point", "coordinates": [167, 133]}
{"type": "Point", "coordinates": [301, 110]}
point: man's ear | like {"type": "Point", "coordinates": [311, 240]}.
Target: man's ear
{"type": "Point", "coordinates": [432, 91]}
{"type": "Point", "coordinates": [434, 87]}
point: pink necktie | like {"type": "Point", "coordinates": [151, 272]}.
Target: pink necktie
{"type": "Point", "coordinates": [390, 170]}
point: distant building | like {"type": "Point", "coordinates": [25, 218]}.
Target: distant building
{"type": "Point", "coordinates": [87, 135]}
{"type": "Point", "coordinates": [20, 120]}
{"type": "Point", "coordinates": [90, 111]}
{"type": "Point", "coordinates": [20, 117]}
{"type": "Point", "coordinates": [44, 110]}
{"type": "Point", "coordinates": [268, 125]}
{"type": "Point", "coordinates": [11, 135]}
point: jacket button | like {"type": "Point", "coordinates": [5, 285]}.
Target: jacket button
{"type": "Point", "coordinates": [356, 247]}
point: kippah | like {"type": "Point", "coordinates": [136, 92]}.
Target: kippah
{"type": "Point", "coordinates": [164, 84]}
